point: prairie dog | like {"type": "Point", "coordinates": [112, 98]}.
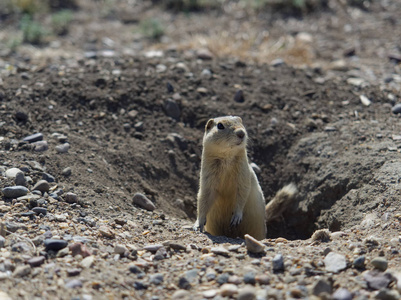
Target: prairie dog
{"type": "Point", "coordinates": [230, 199]}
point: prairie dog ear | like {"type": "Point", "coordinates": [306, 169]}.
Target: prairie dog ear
{"type": "Point", "coordinates": [239, 119]}
{"type": "Point", "coordinates": [209, 124]}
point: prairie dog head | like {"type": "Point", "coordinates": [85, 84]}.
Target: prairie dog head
{"type": "Point", "coordinates": [224, 134]}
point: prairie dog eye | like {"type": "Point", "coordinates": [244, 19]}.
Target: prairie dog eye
{"type": "Point", "coordinates": [220, 126]}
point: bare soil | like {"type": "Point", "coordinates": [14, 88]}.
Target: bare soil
{"type": "Point", "coordinates": [135, 123]}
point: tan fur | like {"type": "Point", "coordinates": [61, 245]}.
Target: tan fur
{"type": "Point", "coordinates": [230, 200]}
{"type": "Point", "coordinates": [281, 202]}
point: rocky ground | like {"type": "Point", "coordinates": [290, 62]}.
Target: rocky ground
{"type": "Point", "coordinates": [100, 146]}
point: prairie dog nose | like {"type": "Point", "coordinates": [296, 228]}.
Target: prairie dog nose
{"type": "Point", "coordinates": [240, 133]}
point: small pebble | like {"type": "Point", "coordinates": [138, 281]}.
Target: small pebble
{"type": "Point", "coordinates": [220, 251]}
{"type": "Point", "coordinates": [249, 278]}
{"type": "Point", "coordinates": [359, 262]}
{"type": "Point", "coordinates": [228, 290]}
{"type": "Point", "coordinates": [73, 284]}
{"type": "Point", "coordinates": [320, 287]}
{"type": "Point", "coordinates": [172, 109]}
{"type": "Point", "coordinates": [181, 295]}
{"type": "Point", "coordinates": [79, 249]}
{"type": "Point", "coordinates": [120, 249]}
{"type": "Point", "coordinates": [63, 148]}
{"type": "Point", "coordinates": [106, 232]}
{"type": "Point", "coordinates": [48, 177]}
{"type": "Point", "coordinates": [156, 279]}
{"type": "Point", "coordinates": [380, 263]}
{"type": "Point", "coordinates": [36, 261]}
{"type": "Point", "coordinates": [22, 271]}
{"type": "Point", "coordinates": [253, 245]}
{"type": "Point", "coordinates": [209, 294]}
{"type": "Point", "coordinates": [342, 294]}
{"type": "Point", "coordinates": [87, 262]}
{"type": "Point", "coordinates": [55, 244]}
{"type": "Point", "coordinates": [387, 294]}
{"type": "Point", "coordinates": [40, 210]}
{"type": "Point", "coordinates": [377, 280]}
{"type": "Point", "coordinates": [20, 179]}
{"type": "Point", "coordinates": [12, 172]}
{"type": "Point", "coordinates": [41, 185]}
{"type": "Point", "coordinates": [335, 262]}
{"type": "Point", "coordinates": [278, 263]}
{"type": "Point", "coordinates": [247, 293]}
{"type": "Point", "coordinates": [74, 272]}
{"type": "Point", "coordinates": [2, 241]}
{"type": "Point", "coordinates": [66, 172]}
{"type": "Point", "coordinates": [396, 109]}
{"type": "Point", "coordinates": [40, 146]}
{"type": "Point", "coordinates": [33, 138]}
{"type": "Point", "coordinates": [142, 201]}
{"type": "Point", "coordinates": [71, 197]}
{"type": "Point", "coordinates": [15, 191]}
{"type": "Point", "coordinates": [239, 96]}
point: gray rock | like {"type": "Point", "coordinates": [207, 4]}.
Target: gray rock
{"type": "Point", "coordinates": [22, 271]}
{"type": "Point", "coordinates": [246, 293]}
{"type": "Point", "coordinates": [12, 226]}
{"type": "Point", "coordinates": [223, 278]}
{"type": "Point", "coordinates": [153, 248]}
{"type": "Point", "coordinates": [63, 148]}
{"type": "Point", "coordinates": [87, 262]}
{"type": "Point", "coordinates": [342, 294]}
{"type": "Point", "coordinates": [320, 287]}
{"type": "Point", "coordinates": [41, 185]}
{"type": "Point", "coordinates": [253, 245]}
{"type": "Point", "coordinates": [120, 249]}
{"type": "Point", "coordinates": [249, 278]}
{"type": "Point", "coordinates": [20, 179]}
{"type": "Point", "coordinates": [387, 294]}
{"type": "Point", "coordinates": [55, 245]}
{"type": "Point", "coordinates": [156, 279]}
{"type": "Point", "coordinates": [40, 210]}
{"type": "Point", "coordinates": [359, 262]}
{"type": "Point", "coordinates": [12, 173]}
{"type": "Point", "coordinates": [142, 201]}
{"type": "Point", "coordinates": [48, 177]}
{"type": "Point", "coordinates": [206, 74]}
{"type": "Point", "coordinates": [380, 263]}
{"type": "Point", "coordinates": [71, 197]}
{"type": "Point", "coordinates": [33, 138]}
{"type": "Point", "coordinates": [40, 146]}
{"type": "Point", "coordinates": [36, 261]}
{"type": "Point", "coordinates": [377, 280]}
{"type": "Point", "coordinates": [2, 241]}
{"type": "Point", "coordinates": [20, 247]}
{"type": "Point", "coordinates": [172, 109]}
{"type": "Point", "coordinates": [15, 191]}
{"type": "Point", "coordinates": [74, 272]}
{"type": "Point", "coordinates": [21, 116]}
{"type": "Point", "coordinates": [278, 263]}
{"type": "Point", "coordinates": [183, 283]}
{"type": "Point", "coordinates": [191, 276]}
{"type": "Point", "coordinates": [66, 172]}
{"type": "Point", "coordinates": [228, 290]}
{"type": "Point", "coordinates": [335, 262]}
{"type": "Point", "coordinates": [73, 284]}
{"type": "Point", "coordinates": [181, 295]}
{"type": "Point", "coordinates": [220, 251]}
{"type": "Point", "coordinates": [396, 109]}
{"type": "Point", "coordinates": [239, 96]}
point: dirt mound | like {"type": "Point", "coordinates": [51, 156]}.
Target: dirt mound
{"type": "Point", "coordinates": [135, 125]}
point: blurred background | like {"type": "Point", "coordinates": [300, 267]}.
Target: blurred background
{"type": "Point", "coordinates": [333, 35]}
